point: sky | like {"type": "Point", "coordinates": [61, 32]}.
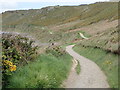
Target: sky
{"type": "Point", "coordinates": [6, 5]}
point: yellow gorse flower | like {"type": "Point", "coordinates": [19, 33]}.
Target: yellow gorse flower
{"type": "Point", "coordinates": [12, 68]}
{"type": "Point", "coordinates": [6, 62]}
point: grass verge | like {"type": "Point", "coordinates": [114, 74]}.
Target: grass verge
{"type": "Point", "coordinates": [78, 67]}
{"type": "Point", "coordinates": [47, 71]}
{"type": "Point", "coordinates": [108, 62]}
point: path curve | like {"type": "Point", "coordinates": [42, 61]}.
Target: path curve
{"type": "Point", "coordinates": [83, 36]}
{"type": "Point", "coordinates": [90, 75]}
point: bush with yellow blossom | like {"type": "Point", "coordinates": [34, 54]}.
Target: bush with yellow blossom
{"type": "Point", "coordinates": [8, 65]}
{"type": "Point", "coordinates": [16, 51]}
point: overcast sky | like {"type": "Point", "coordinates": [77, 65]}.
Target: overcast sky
{"type": "Point", "coordinates": [6, 5]}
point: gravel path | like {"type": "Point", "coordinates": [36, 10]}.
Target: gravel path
{"type": "Point", "coordinates": [90, 75]}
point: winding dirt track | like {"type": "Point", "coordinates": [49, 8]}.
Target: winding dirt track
{"type": "Point", "coordinates": [90, 75]}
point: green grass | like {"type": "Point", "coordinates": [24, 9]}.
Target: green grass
{"type": "Point", "coordinates": [46, 72]}
{"type": "Point", "coordinates": [78, 68]}
{"type": "Point", "coordinates": [108, 62]}
{"type": "Point", "coordinates": [67, 44]}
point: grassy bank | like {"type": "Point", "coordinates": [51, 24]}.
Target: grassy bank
{"type": "Point", "coordinates": [78, 68]}
{"type": "Point", "coordinates": [107, 40]}
{"type": "Point", "coordinates": [108, 62]}
{"type": "Point", "coordinates": [47, 71]}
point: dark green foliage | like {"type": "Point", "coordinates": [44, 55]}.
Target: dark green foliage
{"type": "Point", "coordinates": [18, 50]}
{"type": "Point", "coordinates": [57, 51]}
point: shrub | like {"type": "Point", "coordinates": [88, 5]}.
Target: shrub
{"type": "Point", "coordinates": [16, 51]}
{"type": "Point", "coordinates": [56, 51]}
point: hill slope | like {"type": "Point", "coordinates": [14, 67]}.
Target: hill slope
{"type": "Point", "coordinates": [62, 24]}
{"type": "Point", "coordinates": [62, 14]}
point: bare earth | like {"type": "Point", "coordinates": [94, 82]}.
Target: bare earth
{"type": "Point", "coordinates": [90, 75]}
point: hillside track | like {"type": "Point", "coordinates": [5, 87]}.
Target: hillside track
{"type": "Point", "coordinates": [91, 76]}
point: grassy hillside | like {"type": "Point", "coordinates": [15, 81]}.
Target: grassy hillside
{"type": "Point", "coordinates": [58, 20]}
{"type": "Point", "coordinates": [62, 14]}
{"type": "Point", "coordinates": [107, 40]}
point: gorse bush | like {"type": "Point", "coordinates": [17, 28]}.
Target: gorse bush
{"type": "Point", "coordinates": [57, 51]}
{"type": "Point", "coordinates": [8, 65]}
{"type": "Point", "coordinates": [16, 51]}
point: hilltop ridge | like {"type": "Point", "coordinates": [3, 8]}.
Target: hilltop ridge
{"type": "Point", "coordinates": [52, 15]}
